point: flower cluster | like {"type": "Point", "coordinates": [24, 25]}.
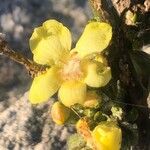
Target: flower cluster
{"type": "Point", "coordinates": [73, 73]}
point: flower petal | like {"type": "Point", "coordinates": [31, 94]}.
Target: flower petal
{"type": "Point", "coordinates": [50, 42]}
{"type": "Point", "coordinates": [44, 86]}
{"type": "Point", "coordinates": [72, 92]}
{"type": "Point", "coordinates": [97, 76]}
{"type": "Point", "coordinates": [95, 38]}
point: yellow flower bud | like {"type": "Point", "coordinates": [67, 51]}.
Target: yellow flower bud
{"type": "Point", "coordinates": [92, 99]}
{"type": "Point", "coordinates": [107, 136]}
{"type": "Point", "coordinates": [59, 113]}
{"type": "Point", "coordinates": [84, 130]}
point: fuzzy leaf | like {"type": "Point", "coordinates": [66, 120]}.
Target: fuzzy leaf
{"type": "Point", "coordinates": [76, 142]}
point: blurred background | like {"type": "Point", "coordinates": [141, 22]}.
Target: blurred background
{"type": "Point", "coordinates": [18, 18]}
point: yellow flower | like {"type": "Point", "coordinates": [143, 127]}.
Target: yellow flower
{"type": "Point", "coordinates": [107, 136]}
{"type": "Point", "coordinates": [71, 70]}
{"type": "Point", "coordinates": [59, 113]}
{"type": "Point", "coordinates": [92, 99]}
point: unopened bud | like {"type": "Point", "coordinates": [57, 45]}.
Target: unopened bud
{"type": "Point", "coordinates": [59, 113]}
{"type": "Point", "coordinates": [92, 99]}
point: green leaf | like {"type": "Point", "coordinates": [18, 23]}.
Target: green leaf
{"type": "Point", "coordinates": [141, 70]}
{"type": "Point", "coordinates": [99, 116]}
{"type": "Point", "coordinates": [76, 142]}
{"type": "Point", "coordinates": [79, 109]}
{"type": "Point", "coordinates": [132, 115]}
{"type": "Point", "coordinates": [73, 118]}
{"type": "Point", "coordinates": [141, 62]}
{"type": "Point", "coordinates": [110, 89]}
{"type": "Point", "coordinates": [89, 113]}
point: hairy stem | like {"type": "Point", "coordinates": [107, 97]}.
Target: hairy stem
{"type": "Point", "coordinates": [33, 68]}
{"type": "Point", "coordinates": [98, 13]}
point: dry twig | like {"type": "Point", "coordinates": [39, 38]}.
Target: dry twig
{"type": "Point", "coordinates": [33, 68]}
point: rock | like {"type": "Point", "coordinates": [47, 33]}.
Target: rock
{"type": "Point", "coordinates": [27, 127]}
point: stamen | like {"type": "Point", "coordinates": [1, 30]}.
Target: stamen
{"type": "Point", "coordinates": [71, 69]}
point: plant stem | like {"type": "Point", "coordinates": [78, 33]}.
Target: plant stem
{"type": "Point", "coordinates": [98, 13]}
{"type": "Point", "coordinates": [33, 68]}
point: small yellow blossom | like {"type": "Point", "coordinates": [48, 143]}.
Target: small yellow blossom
{"type": "Point", "coordinates": [59, 113]}
{"type": "Point", "coordinates": [68, 74]}
{"type": "Point", "coordinates": [92, 99]}
{"type": "Point", "coordinates": [107, 136]}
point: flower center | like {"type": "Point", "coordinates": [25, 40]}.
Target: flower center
{"type": "Point", "coordinates": [71, 69]}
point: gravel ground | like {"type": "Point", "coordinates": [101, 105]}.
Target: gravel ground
{"type": "Point", "coordinates": [27, 127]}
{"type": "Point", "coordinates": [22, 126]}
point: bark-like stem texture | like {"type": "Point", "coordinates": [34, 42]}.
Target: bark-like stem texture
{"type": "Point", "coordinates": [33, 68]}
